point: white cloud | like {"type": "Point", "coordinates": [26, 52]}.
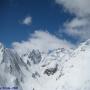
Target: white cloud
{"type": "Point", "coordinates": [76, 23]}
{"type": "Point", "coordinates": [78, 7]}
{"type": "Point", "coordinates": [77, 28]}
{"type": "Point", "coordinates": [80, 25]}
{"type": "Point", "coordinates": [27, 20]}
{"type": "Point", "coordinates": [41, 40]}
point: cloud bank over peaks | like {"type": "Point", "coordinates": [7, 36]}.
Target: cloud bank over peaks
{"type": "Point", "coordinates": [41, 40]}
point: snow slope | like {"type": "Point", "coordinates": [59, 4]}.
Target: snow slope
{"type": "Point", "coordinates": [60, 69]}
{"type": "Point", "coordinates": [12, 68]}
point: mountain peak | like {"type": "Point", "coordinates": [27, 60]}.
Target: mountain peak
{"type": "Point", "coordinates": [87, 42]}
{"type": "Point", "coordinates": [1, 45]}
{"type": "Point", "coordinates": [61, 68]}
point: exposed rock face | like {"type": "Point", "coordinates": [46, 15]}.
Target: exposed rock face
{"type": "Point", "coordinates": [51, 71]}
{"type": "Point", "coordinates": [35, 56]}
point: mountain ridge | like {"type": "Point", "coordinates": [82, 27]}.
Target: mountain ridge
{"type": "Point", "coordinates": [60, 69]}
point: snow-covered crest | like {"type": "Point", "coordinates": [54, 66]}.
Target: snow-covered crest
{"type": "Point", "coordinates": [60, 69]}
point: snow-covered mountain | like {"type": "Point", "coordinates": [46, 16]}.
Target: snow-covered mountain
{"type": "Point", "coordinates": [11, 68]}
{"type": "Point", "coordinates": [59, 69]}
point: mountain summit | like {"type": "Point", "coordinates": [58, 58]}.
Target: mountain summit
{"type": "Point", "coordinates": [60, 69]}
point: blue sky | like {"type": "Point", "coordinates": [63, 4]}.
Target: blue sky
{"type": "Point", "coordinates": [46, 15]}
{"type": "Point", "coordinates": [57, 17]}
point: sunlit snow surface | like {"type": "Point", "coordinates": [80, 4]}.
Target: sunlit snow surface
{"type": "Point", "coordinates": [61, 69]}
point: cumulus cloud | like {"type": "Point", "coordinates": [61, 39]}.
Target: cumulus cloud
{"type": "Point", "coordinates": [78, 7]}
{"type": "Point", "coordinates": [27, 20]}
{"type": "Point", "coordinates": [77, 23]}
{"type": "Point", "coordinates": [41, 40]}
{"type": "Point", "coordinates": [80, 25]}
